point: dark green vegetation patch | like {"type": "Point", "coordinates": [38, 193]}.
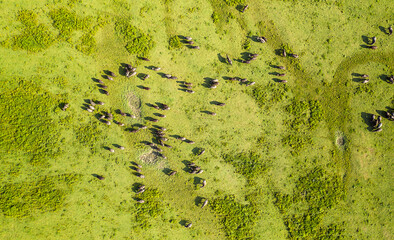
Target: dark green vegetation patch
{"type": "Point", "coordinates": [238, 219]}
{"type": "Point", "coordinates": [234, 2]}
{"type": "Point", "coordinates": [174, 42]}
{"type": "Point", "coordinates": [152, 207]}
{"type": "Point", "coordinates": [34, 36]}
{"type": "Point", "coordinates": [138, 42]}
{"type": "Point", "coordinates": [318, 191]}
{"type": "Point", "coordinates": [67, 21]}
{"type": "Point", "coordinates": [268, 95]}
{"type": "Point", "coordinates": [47, 194]}
{"type": "Point", "coordinates": [250, 165]}
{"type": "Point", "coordinates": [26, 122]}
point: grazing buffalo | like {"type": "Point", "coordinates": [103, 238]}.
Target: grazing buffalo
{"type": "Point", "coordinates": [161, 128]}
{"type": "Point", "coordinates": [167, 76]}
{"type": "Point", "coordinates": [157, 149]}
{"type": "Point", "coordinates": [91, 107]}
{"type": "Point", "coordinates": [365, 80]}
{"type": "Point", "coordinates": [145, 59]}
{"type": "Point", "coordinates": [161, 115]}
{"type": "Point", "coordinates": [111, 74]}
{"type": "Point", "coordinates": [107, 122]}
{"type": "Point", "coordinates": [373, 40]}
{"type": "Point", "coordinates": [168, 146]}
{"type": "Point", "coordinates": [244, 8]}
{"type": "Point", "coordinates": [109, 77]}
{"type": "Point", "coordinates": [65, 106]}
{"type": "Point", "coordinates": [189, 87]}
{"type": "Point", "coordinates": [364, 76]}
{"type": "Point", "coordinates": [91, 102]}
{"type": "Point", "coordinates": [140, 191]}
{"type": "Point", "coordinates": [245, 61]}
{"type": "Point", "coordinates": [172, 173]}
{"type": "Point", "coordinates": [182, 138]}
{"type": "Point", "coordinates": [121, 147]}
{"type": "Point", "coordinates": [143, 127]}
{"type": "Point", "coordinates": [189, 225]}
{"type": "Point", "coordinates": [189, 91]}
{"type": "Point", "coordinates": [194, 47]}
{"type": "Point", "coordinates": [146, 88]}
{"type": "Point", "coordinates": [120, 124]}
{"type": "Point", "coordinates": [145, 77]}
{"type": "Point", "coordinates": [140, 175]}
{"type": "Point", "coordinates": [204, 183]}
{"type": "Point", "coordinates": [134, 130]}
{"type": "Point", "coordinates": [250, 84]}
{"type": "Point", "coordinates": [205, 203]}
{"type": "Point", "coordinates": [377, 130]}
{"type": "Point", "coordinates": [111, 150]}
{"type": "Point", "coordinates": [99, 81]}
{"type": "Point", "coordinates": [101, 117]}
{"type": "Point", "coordinates": [211, 113]}
{"type": "Point", "coordinates": [219, 103]}
{"type": "Point", "coordinates": [189, 42]}
{"type": "Point", "coordinates": [173, 77]}
{"type": "Point", "coordinates": [100, 103]}
{"type": "Point", "coordinates": [156, 107]}
{"type": "Point", "coordinates": [89, 110]}
{"type": "Point", "coordinates": [128, 66]}
{"type": "Point", "coordinates": [294, 55]}
{"type": "Point", "coordinates": [105, 92]}
{"type": "Point", "coordinates": [280, 74]}
{"type": "Point", "coordinates": [373, 47]}
{"type": "Point", "coordinates": [199, 171]}
{"type": "Point", "coordinates": [141, 187]}
{"type": "Point", "coordinates": [188, 84]}
{"type": "Point", "coordinates": [283, 81]}
{"type": "Point", "coordinates": [140, 201]}
{"type": "Point", "coordinates": [229, 60]}
{"type": "Point", "coordinates": [188, 38]}
{"type": "Point", "coordinates": [155, 68]}
{"type": "Point", "coordinates": [243, 80]}
{"type": "Point", "coordinates": [390, 30]}
{"type": "Point", "coordinates": [281, 67]}
{"type": "Point", "coordinates": [284, 53]}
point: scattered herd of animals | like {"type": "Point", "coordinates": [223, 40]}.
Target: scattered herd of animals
{"type": "Point", "coordinates": [159, 133]}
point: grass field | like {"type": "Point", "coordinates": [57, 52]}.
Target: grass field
{"type": "Point", "coordinates": [295, 160]}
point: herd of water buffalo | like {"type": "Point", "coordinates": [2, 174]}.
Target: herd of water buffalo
{"type": "Point", "coordinates": [159, 132]}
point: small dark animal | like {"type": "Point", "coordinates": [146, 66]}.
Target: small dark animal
{"type": "Point", "coordinates": [66, 105]}
{"type": "Point", "coordinates": [111, 74]}
{"type": "Point", "coordinates": [244, 8]}
{"type": "Point", "coordinates": [146, 88]}
{"type": "Point", "coordinates": [373, 41]}
{"type": "Point", "coordinates": [172, 173]}
{"type": "Point", "coordinates": [390, 30]}
{"type": "Point", "coordinates": [229, 60]}
{"type": "Point", "coordinates": [144, 58]}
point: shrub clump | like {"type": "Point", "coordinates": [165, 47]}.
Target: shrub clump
{"type": "Point", "coordinates": [47, 194]}
{"type": "Point", "coordinates": [270, 94]}
{"type": "Point", "coordinates": [152, 207]}
{"type": "Point", "coordinates": [237, 219]}
{"type": "Point", "coordinates": [87, 134]}
{"type": "Point", "coordinates": [249, 165]}
{"type": "Point", "coordinates": [320, 192]}
{"type": "Point", "coordinates": [234, 2]}
{"type": "Point", "coordinates": [296, 142]}
{"type": "Point", "coordinates": [138, 42]}
{"type": "Point", "coordinates": [174, 42]}
{"type": "Point", "coordinates": [27, 125]}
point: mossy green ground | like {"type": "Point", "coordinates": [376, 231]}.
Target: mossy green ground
{"type": "Point", "coordinates": [293, 161]}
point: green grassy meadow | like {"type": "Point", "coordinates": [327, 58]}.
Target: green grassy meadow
{"type": "Point", "coordinates": [293, 160]}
